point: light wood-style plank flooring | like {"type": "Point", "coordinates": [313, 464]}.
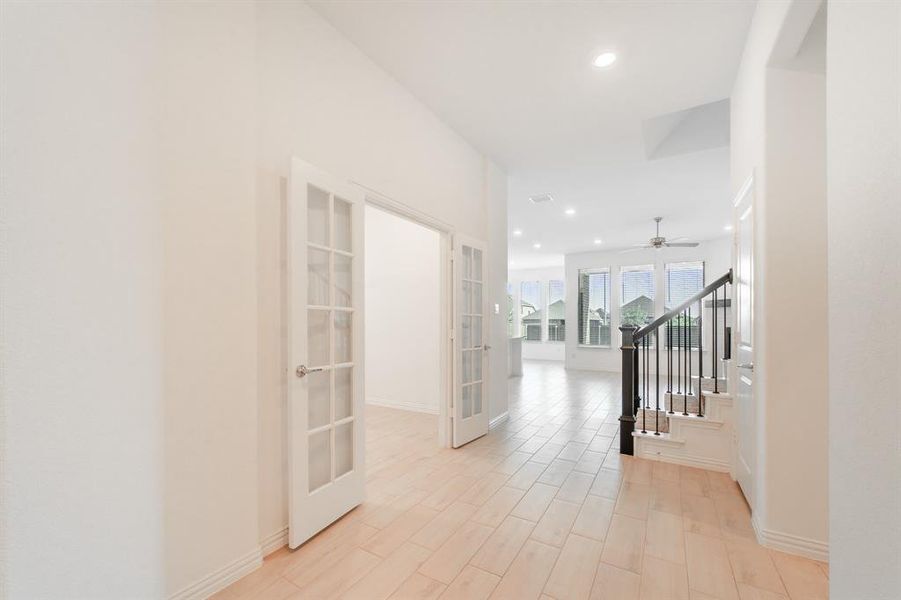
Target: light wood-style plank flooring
{"type": "Point", "coordinates": [543, 507]}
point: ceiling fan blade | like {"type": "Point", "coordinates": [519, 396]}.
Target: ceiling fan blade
{"type": "Point", "coordinates": [681, 244]}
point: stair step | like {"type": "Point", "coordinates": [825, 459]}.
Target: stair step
{"type": "Point", "coordinates": [661, 438]}
{"type": "Point", "coordinates": [652, 420]}
{"type": "Point", "coordinates": [687, 403]}
{"type": "Point", "coordinates": [707, 384]}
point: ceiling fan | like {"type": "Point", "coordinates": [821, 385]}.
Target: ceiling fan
{"type": "Point", "coordinates": [657, 242]}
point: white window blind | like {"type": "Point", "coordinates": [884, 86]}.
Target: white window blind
{"type": "Point", "coordinates": [556, 311]}
{"type": "Point", "coordinates": [530, 310]}
{"type": "Point", "coordinates": [637, 307]}
{"type": "Point", "coordinates": [683, 280]}
{"type": "Point", "coordinates": [594, 307]}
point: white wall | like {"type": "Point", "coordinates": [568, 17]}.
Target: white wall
{"type": "Point", "coordinates": [146, 148]}
{"type": "Point", "coordinates": [534, 350]}
{"type": "Point", "coordinates": [403, 313]}
{"type": "Point", "coordinates": [322, 100]}
{"type": "Point", "coordinates": [81, 421]}
{"type": "Point", "coordinates": [864, 167]}
{"type": "Point", "coordinates": [495, 193]}
{"type": "Point", "coordinates": [716, 255]}
{"type": "Point", "coordinates": [778, 134]}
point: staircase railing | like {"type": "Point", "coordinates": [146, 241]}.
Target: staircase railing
{"type": "Point", "coordinates": [684, 346]}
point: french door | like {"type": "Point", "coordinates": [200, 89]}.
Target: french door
{"type": "Point", "coordinates": [746, 421]}
{"type": "Point", "coordinates": [470, 413]}
{"type": "Point", "coordinates": [325, 347]}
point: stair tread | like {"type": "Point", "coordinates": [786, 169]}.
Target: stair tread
{"type": "Point", "coordinates": [662, 437]}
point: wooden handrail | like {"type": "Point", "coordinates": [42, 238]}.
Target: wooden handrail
{"type": "Point", "coordinates": [643, 331]}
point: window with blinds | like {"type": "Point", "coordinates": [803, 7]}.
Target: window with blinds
{"type": "Point", "coordinates": [530, 310]}
{"type": "Point", "coordinates": [556, 311]}
{"type": "Point", "coordinates": [637, 298]}
{"type": "Point", "coordinates": [511, 311]}
{"type": "Point", "coordinates": [594, 307]}
{"type": "Point", "coordinates": [683, 280]}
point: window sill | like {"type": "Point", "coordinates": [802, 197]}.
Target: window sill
{"type": "Point", "coordinates": [593, 347]}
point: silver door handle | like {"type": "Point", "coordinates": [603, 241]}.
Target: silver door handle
{"type": "Point", "coordinates": [748, 366]}
{"type": "Point", "coordinates": [302, 370]}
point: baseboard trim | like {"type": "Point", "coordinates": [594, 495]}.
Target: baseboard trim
{"type": "Point", "coordinates": [790, 543]}
{"type": "Point", "coordinates": [498, 420]}
{"type": "Point", "coordinates": [219, 580]}
{"type": "Point", "coordinates": [401, 405]}
{"type": "Point", "coordinates": [274, 541]}
{"type": "Point", "coordinates": [700, 462]}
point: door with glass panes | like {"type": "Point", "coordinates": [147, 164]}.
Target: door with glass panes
{"type": "Point", "coordinates": [470, 413]}
{"type": "Point", "coordinates": [325, 369]}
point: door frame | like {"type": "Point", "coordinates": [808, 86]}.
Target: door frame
{"type": "Point", "coordinates": [445, 234]}
{"type": "Point", "coordinates": [745, 200]}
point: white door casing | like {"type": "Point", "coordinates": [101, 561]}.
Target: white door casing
{"type": "Point", "coordinates": [746, 428]}
{"type": "Point", "coordinates": [325, 350]}
{"type": "Point", "coordinates": [470, 326]}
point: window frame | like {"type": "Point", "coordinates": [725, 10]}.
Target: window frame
{"type": "Point", "coordinates": [523, 328]}
{"type": "Point", "coordinates": [593, 271]}
{"type": "Point", "coordinates": [546, 321]}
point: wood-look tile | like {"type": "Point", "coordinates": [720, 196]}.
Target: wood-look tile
{"type": "Point", "coordinates": [394, 535]}
{"type": "Point", "coordinates": [624, 545]}
{"type": "Point", "coordinates": [471, 584]}
{"type": "Point", "coordinates": [446, 563]}
{"type": "Point", "coordinates": [575, 488]}
{"type": "Point", "coordinates": [665, 537]}
{"type": "Point", "coordinates": [663, 580]}
{"type": "Point", "coordinates": [634, 499]}
{"type": "Point", "coordinates": [752, 565]}
{"type": "Point", "coordinates": [556, 523]}
{"type": "Point", "coordinates": [556, 472]}
{"type": "Point", "coordinates": [709, 570]}
{"type": "Point", "coordinates": [573, 574]}
{"type": "Point", "coordinates": [535, 502]}
{"type": "Point", "coordinates": [512, 463]}
{"type": "Point", "coordinates": [803, 578]}
{"type": "Point", "coordinates": [443, 525]}
{"type": "Point", "coordinates": [484, 488]}
{"type": "Point", "coordinates": [526, 577]}
{"type": "Point", "coordinates": [526, 476]}
{"type": "Point", "coordinates": [590, 462]}
{"type": "Point", "coordinates": [498, 552]}
{"type": "Point", "coordinates": [666, 496]}
{"type": "Point", "coordinates": [606, 484]}
{"type": "Point", "coordinates": [613, 583]}
{"type": "Point", "coordinates": [388, 575]}
{"type": "Point", "coordinates": [418, 587]}
{"type": "Point", "coordinates": [594, 518]}
{"type": "Point", "coordinates": [496, 509]}
{"type": "Point", "coordinates": [746, 592]}
{"type": "Point", "coordinates": [339, 577]}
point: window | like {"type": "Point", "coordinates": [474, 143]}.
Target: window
{"type": "Point", "coordinates": [637, 307]}
{"type": "Point", "coordinates": [683, 280]}
{"type": "Point", "coordinates": [530, 310]}
{"type": "Point", "coordinates": [594, 307]}
{"type": "Point", "coordinates": [556, 311]}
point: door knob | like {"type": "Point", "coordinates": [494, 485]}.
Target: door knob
{"type": "Point", "coordinates": [748, 366]}
{"type": "Point", "coordinates": [302, 370]}
{"type": "Point", "coordinates": [486, 347]}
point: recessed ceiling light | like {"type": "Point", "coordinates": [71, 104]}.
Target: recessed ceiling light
{"type": "Point", "coordinates": [570, 211]}
{"type": "Point", "coordinates": [536, 246]}
{"type": "Point", "coordinates": [728, 227]}
{"type": "Point", "coordinates": [517, 232]}
{"type": "Point", "coordinates": [604, 60]}
{"type": "Point", "coordinates": [597, 241]}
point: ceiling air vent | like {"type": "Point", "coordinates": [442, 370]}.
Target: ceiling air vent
{"type": "Point", "coordinates": [541, 198]}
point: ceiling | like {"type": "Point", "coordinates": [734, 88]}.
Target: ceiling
{"type": "Point", "coordinates": [621, 145]}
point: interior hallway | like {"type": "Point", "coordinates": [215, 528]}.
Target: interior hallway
{"type": "Point", "coordinates": [542, 507]}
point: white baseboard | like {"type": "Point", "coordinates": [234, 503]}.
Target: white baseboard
{"type": "Point", "coordinates": [792, 544]}
{"type": "Point", "coordinates": [219, 580]}
{"type": "Point", "coordinates": [411, 406]}
{"type": "Point", "coordinates": [498, 420]}
{"type": "Point", "coordinates": [274, 541]}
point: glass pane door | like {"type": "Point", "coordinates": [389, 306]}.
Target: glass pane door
{"type": "Point", "coordinates": [330, 420]}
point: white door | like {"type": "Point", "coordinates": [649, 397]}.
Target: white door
{"type": "Point", "coordinates": [325, 368]}
{"type": "Point", "coordinates": [744, 297]}
{"type": "Point", "coordinates": [470, 414]}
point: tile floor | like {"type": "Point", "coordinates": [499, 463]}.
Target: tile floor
{"type": "Point", "coordinates": [543, 507]}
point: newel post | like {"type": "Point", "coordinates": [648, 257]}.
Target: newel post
{"type": "Point", "coordinates": [630, 389]}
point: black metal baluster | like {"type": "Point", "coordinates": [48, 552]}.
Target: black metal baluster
{"type": "Point", "coordinates": [690, 385]}
{"type": "Point", "coordinates": [701, 359]}
{"type": "Point", "coordinates": [686, 361]}
{"type": "Point", "coordinates": [644, 417]}
{"type": "Point", "coordinates": [669, 370]}
{"type": "Point", "coordinates": [727, 331]}
{"type": "Point", "coordinates": [715, 357]}
{"type": "Point", "coordinates": [657, 390]}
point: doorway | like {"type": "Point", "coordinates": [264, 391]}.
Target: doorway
{"type": "Point", "coordinates": [405, 328]}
